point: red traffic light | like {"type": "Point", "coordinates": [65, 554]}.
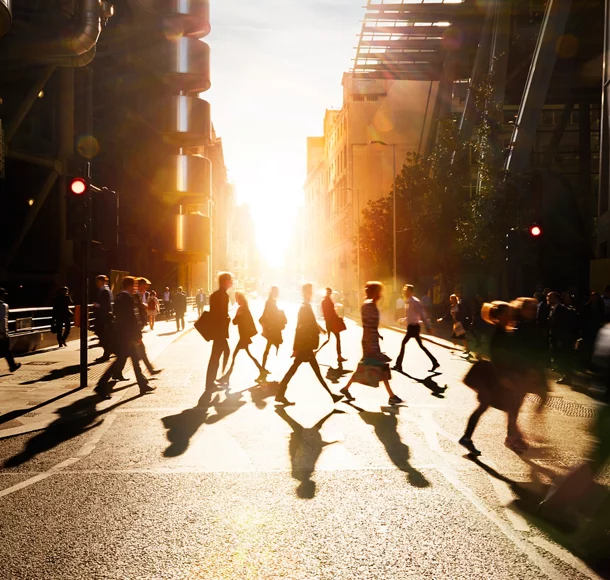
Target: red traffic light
{"type": "Point", "coordinates": [535, 231]}
{"type": "Point", "coordinates": [78, 186]}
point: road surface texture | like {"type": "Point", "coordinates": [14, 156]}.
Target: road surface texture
{"type": "Point", "coordinates": [159, 487]}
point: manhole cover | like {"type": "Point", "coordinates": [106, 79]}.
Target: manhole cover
{"type": "Point", "coordinates": [568, 408]}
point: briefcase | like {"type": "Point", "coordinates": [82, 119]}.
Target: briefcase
{"type": "Point", "coordinates": [203, 326]}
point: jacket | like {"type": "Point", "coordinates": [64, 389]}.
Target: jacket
{"type": "Point", "coordinates": [127, 326]}
{"type": "Point", "coordinates": [61, 307]}
{"type": "Point", "coordinates": [307, 336]}
{"type": "Point", "coordinates": [245, 323]}
{"type": "Point", "coordinates": [219, 315]}
{"type": "Point", "coordinates": [179, 303]}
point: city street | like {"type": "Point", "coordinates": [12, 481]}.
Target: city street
{"type": "Point", "coordinates": [237, 487]}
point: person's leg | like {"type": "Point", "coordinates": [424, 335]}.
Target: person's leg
{"type": "Point", "coordinates": [473, 421]}
{"type": "Point", "coordinates": [316, 369]}
{"type": "Point", "coordinates": [338, 338]}
{"type": "Point", "coordinates": [258, 365]}
{"type": "Point", "coordinates": [8, 354]}
{"type": "Point", "coordinates": [389, 389]}
{"type": "Point", "coordinates": [66, 333]}
{"type": "Point", "coordinates": [281, 394]}
{"type": "Point", "coordinates": [401, 355]}
{"type": "Point", "coordinates": [266, 354]}
{"type": "Point", "coordinates": [135, 361]}
{"type": "Point", "coordinates": [227, 375]}
{"type": "Point", "coordinates": [177, 322]}
{"type": "Point", "coordinates": [217, 350]}
{"type": "Point", "coordinates": [345, 390]}
{"type": "Point", "coordinates": [141, 352]}
{"type": "Point", "coordinates": [426, 351]}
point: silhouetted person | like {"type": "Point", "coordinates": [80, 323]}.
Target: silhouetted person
{"type": "Point", "coordinates": [179, 305]}
{"type": "Point", "coordinates": [103, 318]}
{"type": "Point", "coordinates": [200, 300]}
{"type": "Point", "coordinates": [5, 343]}
{"type": "Point", "coordinates": [153, 309]}
{"type": "Point", "coordinates": [306, 342]}
{"type": "Point", "coordinates": [334, 323]}
{"type": "Point", "coordinates": [562, 336]}
{"type": "Point", "coordinates": [141, 313]}
{"type": "Point", "coordinates": [273, 322]}
{"type": "Point", "coordinates": [247, 329]}
{"type": "Point", "coordinates": [62, 315]}
{"type": "Point", "coordinates": [128, 336]}
{"type": "Point", "coordinates": [373, 368]}
{"type": "Point", "coordinates": [167, 303]}
{"type": "Point", "coordinates": [415, 315]}
{"type": "Point", "coordinates": [219, 325]}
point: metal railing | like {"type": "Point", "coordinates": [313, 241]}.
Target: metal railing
{"type": "Point", "coordinates": [38, 319]}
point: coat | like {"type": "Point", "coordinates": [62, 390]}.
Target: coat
{"type": "Point", "coordinates": [179, 303]}
{"type": "Point", "coordinates": [219, 315]}
{"type": "Point", "coordinates": [273, 322]}
{"type": "Point", "coordinates": [128, 329]}
{"type": "Point", "coordinates": [307, 336]}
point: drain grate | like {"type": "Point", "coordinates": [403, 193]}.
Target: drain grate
{"type": "Point", "coordinates": [41, 363]}
{"type": "Point", "coordinates": [568, 408]}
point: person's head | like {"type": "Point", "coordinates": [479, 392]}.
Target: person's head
{"type": "Point", "coordinates": [453, 300]}
{"type": "Point", "coordinates": [526, 308]}
{"type": "Point", "coordinates": [128, 284]}
{"type": "Point", "coordinates": [497, 313]}
{"type": "Point", "coordinates": [167, 288]}
{"type": "Point", "coordinates": [225, 281]}
{"type": "Point", "coordinates": [274, 292]}
{"type": "Point", "coordinates": [153, 294]}
{"type": "Point", "coordinates": [567, 299]}
{"type": "Point", "coordinates": [373, 291]}
{"type": "Point", "coordinates": [407, 290]}
{"type": "Point", "coordinates": [101, 280]}
{"type": "Point", "coordinates": [553, 298]}
{"type": "Point", "coordinates": [241, 299]}
{"type": "Point", "coordinates": [3, 294]}
{"type": "Point", "coordinates": [307, 292]}
{"type": "Point", "coordinates": [63, 291]}
{"type": "Point", "coordinates": [143, 284]}
{"type": "Point", "coordinates": [595, 298]}
{"type": "Point", "coordinates": [329, 292]}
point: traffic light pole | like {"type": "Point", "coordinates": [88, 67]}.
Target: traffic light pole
{"type": "Point", "coordinates": [84, 310]}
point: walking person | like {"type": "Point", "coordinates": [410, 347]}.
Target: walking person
{"type": "Point", "coordinates": [334, 324]}
{"type": "Point", "coordinates": [306, 341]}
{"type": "Point", "coordinates": [459, 320]}
{"type": "Point", "coordinates": [563, 336]}
{"type": "Point", "coordinates": [62, 315]}
{"type": "Point", "coordinates": [374, 366]}
{"type": "Point", "coordinates": [201, 301]}
{"type": "Point", "coordinates": [103, 319]}
{"type": "Point", "coordinates": [153, 309]}
{"type": "Point", "coordinates": [273, 322]}
{"type": "Point", "coordinates": [128, 336]}
{"type": "Point", "coordinates": [142, 315]}
{"type": "Point", "coordinates": [219, 328]}
{"type": "Point", "coordinates": [167, 303]}
{"type": "Point", "coordinates": [179, 305]}
{"type": "Point", "coordinates": [247, 329]}
{"type": "Point", "coordinates": [415, 316]}
{"type": "Point", "coordinates": [5, 343]}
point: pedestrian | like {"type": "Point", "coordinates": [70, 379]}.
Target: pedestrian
{"type": "Point", "coordinates": [62, 315]}
{"type": "Point", "coordinates": [374, 366]}
{"type": "Point", "coordinates": [153, 309]}
{"type": "Point", "coordinates": [247, 329]}
{"type": "Point", "coordinates": [399, 309]}
{"type": "Point", "coordinates": [593, 319]}
{"type": "Point", "coordinates": [5, 342]}
{"type": "Point", "coordinates": [103, 318]}
{"type": "Point", "coordinates": [128, 336]}
{"type": "Point", "coordinates": [179, 305]}
{"type": "Point", "coordinates": [457, 315]}
{"type": "Point", "coordinates": [306, 342]}
{"type": "Point", "coordinates": [219, 328]}
{"type": "Point", "coordinates": [167, 303]}
{"type": "Point", "coordinates": [563, 336]}
{"type": "Point", "coordinates": [141, 300]}
{"type": "Point", "coordinates": [201, 300]}
{"type": "Point", "coordinates": [273, 322]}
{"type": "Point", "coordinates": [415, 316]}
{"type": "Point", "coordinates": [334, 323]}
{"type": "Point", "coordinates": [498, 381]}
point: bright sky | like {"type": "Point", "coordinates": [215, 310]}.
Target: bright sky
{"type": "Point", "coordinates": [276, 66]}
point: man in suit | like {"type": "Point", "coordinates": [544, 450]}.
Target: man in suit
{"type": "Point", "coordinates": [334, 324]}
{"type": "Point", "coordinates": [306, 341]}
{"type": "Point", "coordinates": [219, 324]}
{"type": "Point", "coordinates": [179, 303]}
{"type": "Point", "coordinates": [102, 311]}
{"type": "Point", "coordinates": [200, 299]}
{"type": "Point", "coordinates": [128, 336]}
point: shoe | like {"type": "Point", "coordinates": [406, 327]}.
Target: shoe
{"type": "Point", "coordinates": [336, 398]}
{"type": "Point", "coordinates": [395, 400]}
{"type": "Point", "coordinates": [468, 444]}
{"type": "Point", "coordinates": [345, 392]}
{"type": "Point", "coordinates": [262, 378]}
{"type": "Point", "coordinates": [120, 378]}
{"type": "Point", "coordinates": [341, 360]}
{"type": "Point", "coordinates": [156, 372]}
{"type": "Point", "coordinates": [564, 381]}
{"type": "Point", "coordinates": [466, 354]}
{"type": "Point", "coordinates": [397, 368]}
{"type": "Point", "coordinates": [103, 393]}
{"type": "Point", "coordinates": [283, 400]}
{"type": "Point", "coordinates": [16, 367]}
{"type": "Point", "coordinates": [435, 366]}
{"type": "Point", "coordinates": [146, 389]}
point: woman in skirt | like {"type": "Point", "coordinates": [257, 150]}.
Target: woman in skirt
{"type": "Point", "coordinates": [273, 322]}
{"type": "Point", "coordinates": [374, 367]}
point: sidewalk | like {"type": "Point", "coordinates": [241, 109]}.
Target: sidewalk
{"type": "Point", "coordinates": [49, 379]}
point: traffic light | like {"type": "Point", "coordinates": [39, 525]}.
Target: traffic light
{"type": "Point", "coordinates": [535, 231]}
{"type": "Point", "coordinates": [76, 207]}
{"type": "Point", "coordinates": [78, 186]}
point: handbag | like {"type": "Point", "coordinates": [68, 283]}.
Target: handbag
{"type": "Point", "coordinates": [53, 327]}
{"type": "Point", "coordinates": [203, 325]}
{"type": "Point", "coordinates": [458, 330]}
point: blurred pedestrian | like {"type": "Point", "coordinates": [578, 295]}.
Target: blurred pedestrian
{"type": "Point", "coordinates": [128, 336]}
{"type": "Point", "coordinates": [374, 367]}
{"type": "Point", "coordinates": [179, 306]}
{"type": "Point", "coordinates": [219, 328]}
{"type": "Point", "coordinates": [153, 309]}
{"type": "Point", "coordinates": [200, 300]}
{"type": "Point", "coordinates": [459, 322]}
{"type": "Point", "coordinates": [62, 315]}
{"type": "Point", "coordinates": [415, 315]}
{"type": "Point", "coordinates": [592, 320]}
{"type": "Point", "coordinates": [247, 330]}
{"type": "Point", "coordinates": [5, 343]}
{"type": "Point", "coordinates": [273, 322]}
{"type": "Point", "coordinates": [103, 323]}
{"type": "Point", "coordinates": [563, 336]}
{"type": "Point", "coordinates": [306, 342]}
{"type": "Point", "coordinates": [334, 323]}
{"type": "Point", "coordinates": [167, 303]}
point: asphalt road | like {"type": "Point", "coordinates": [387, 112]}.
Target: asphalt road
{"type": "Point", "coordinates": [156, 487]}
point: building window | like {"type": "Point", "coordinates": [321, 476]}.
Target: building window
{"type": "Point", "coordinates": [372, 98]}
{"type": "Point", "coordinates": [359, 98]}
